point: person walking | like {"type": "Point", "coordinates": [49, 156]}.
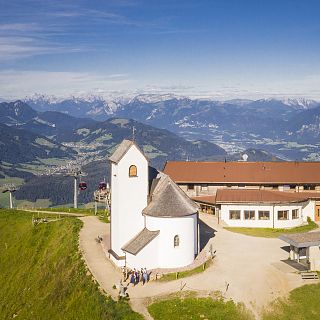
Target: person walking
{"type": "Point", "coordinates": [143, 279]}
{"type": "Point", "coordinates": [123, 269]}
{"type": "Point", "coordinates": [132, 278]}
{"type": "Point", "coordinates": [146, 274]}
{"type": "Point", "coordinates": [137, 276]}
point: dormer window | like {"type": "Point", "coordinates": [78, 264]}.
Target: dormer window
{"type": "Point", "coordinates": [176, 241]}
{"type": "Point", "coordinates": [133, 171]}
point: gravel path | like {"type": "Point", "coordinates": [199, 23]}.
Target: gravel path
{"type": "Point", "coordinates": [245, 269]}
{"type": "Point", "coordinates": [95, 256]}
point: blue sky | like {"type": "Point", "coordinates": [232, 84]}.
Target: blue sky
{"type": "Point", "coordinates": [220, 48]}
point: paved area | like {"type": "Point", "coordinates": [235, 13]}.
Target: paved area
{"type": "Point", "coordinates": [245, 269]}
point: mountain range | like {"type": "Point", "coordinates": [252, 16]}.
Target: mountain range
{"type": "Point", "coordinates": [55, 132]}
{"type": "Point", "coordinates": [33, 143]}
{"type": "Point", "coordinates": [289, 128]}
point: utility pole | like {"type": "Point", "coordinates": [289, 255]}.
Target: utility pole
{"type": "Point", "coordinates": [9, 188]}
{"type": "Point", "coordinates": [75, 192]}
{"type": "Point", "coordinates": [75, 172]}
{"type": "Point", "coordinates": [71, 169]}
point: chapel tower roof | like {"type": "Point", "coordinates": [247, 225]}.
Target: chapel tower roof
{"type": "Point", "coordinates": [168, 200]}
{"type": "Point", "coordinates": [122, 149]}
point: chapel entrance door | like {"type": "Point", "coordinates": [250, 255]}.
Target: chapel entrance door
{"type": "Point", "coordinates": [317, 213]}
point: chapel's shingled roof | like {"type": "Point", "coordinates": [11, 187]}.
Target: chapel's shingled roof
{"type": "Point", "coordinates": [168, 200]}
{"type": "Point", "coordinates": [122, 149]}
{"type": "Point", "coordinates": [262, 196]}
{"type": "Point", "coordinates": [244, 172]}
{"type": "Point", "coordinates": [302, 240]}
{"type": "Point", "coordinates": [136, 244]}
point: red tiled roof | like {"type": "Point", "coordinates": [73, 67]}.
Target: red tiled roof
{"type": "Point", "coordinates": [244, 172]}
{"type": "Point", "coordinates": [205, 199]}
{"type": "Point", "coordinates": [266, 196]}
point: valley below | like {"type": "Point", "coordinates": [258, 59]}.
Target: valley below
{"type": "Point", "coordinates": [42, 138]}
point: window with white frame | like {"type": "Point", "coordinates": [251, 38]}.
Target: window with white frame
{"type": "Point", "coordinates": [264, 215]}
{"type": "Point", "coordinates": [295, 214]}
{"type": "Point", "coordinates": [249, 214]}
{"type": "Point", "coordinates": [234, 214]}
{"type": "Point", "coordinates": [204, 187]}
{"type": "Point", "coordinates": [283, 215]}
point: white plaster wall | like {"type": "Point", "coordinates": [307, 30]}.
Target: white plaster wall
{"type": "Point", "coordinates": [273, 222]}
{"type": "Point", "coordinates": [314, 258]}
{"type": "Point", "coordinates": [146, 258]}
{"type": "Point", "coordinates": [128, 198]}
{"type": "Point", "coordinates": [308, 210]}
{"type": "Point", "coordinates": [168, 255]}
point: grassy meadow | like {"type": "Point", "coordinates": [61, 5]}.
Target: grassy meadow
{"type": "Point", "coordinates": [42, 275]}
{"type": "Point", "coordinates": [187, 273]}
{"type": "Point", "coordinates": [302, 304]}
{"type": "Point", "coordinates": [198, 308]}
{"type": "Point", "coordinates": [102, 214]}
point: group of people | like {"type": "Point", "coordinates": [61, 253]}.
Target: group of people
{"type": "Point", "coordinates": [137, 276]}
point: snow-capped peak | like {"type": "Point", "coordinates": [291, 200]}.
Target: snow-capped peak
{"type": "Point", "coordinates": [41, 98]}
{"type": "Point", "coordinates": [301, 102]}
{"type": "Point", "coordinates": [153, 97]}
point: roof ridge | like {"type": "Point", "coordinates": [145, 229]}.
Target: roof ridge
{"type": "Point", "coordinates": [123, 148]}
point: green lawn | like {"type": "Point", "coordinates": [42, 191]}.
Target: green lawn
{"type": "Point", "coordinates": [272, 233]}
{"type": "Point", "coordinates": [302, 304]}
{"type": "Point", "coordinates": [198, 308]}
{"type": "Point", "coordinates": [42, 275]}
{"type": "Point", "coordinates": [187, 273]}
{"type": "Point", "coordinates": [101, 214]}
{"type": "Point", "coordinates": [71, 210]}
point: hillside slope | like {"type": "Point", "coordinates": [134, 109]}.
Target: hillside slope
{"type": "Point", "coordinates": [42, 275]}
{"type": "Point", "coordinates": [19, 146]}
{"type": "Point", "coordinates": [159, 144]}
{"type": "Point", "coordinates": [97, 144]}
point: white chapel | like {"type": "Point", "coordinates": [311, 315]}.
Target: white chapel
{"type": "Point", "coordinates": [154, 224]}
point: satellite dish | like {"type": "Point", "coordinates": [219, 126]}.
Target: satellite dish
{"type": "Point", "coordinates": [245, 157]}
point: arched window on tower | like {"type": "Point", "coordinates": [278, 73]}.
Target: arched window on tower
{"type": "Point", "coordinates": [133, 171]}
{"type": "Point", "coordinates": [176, 241]}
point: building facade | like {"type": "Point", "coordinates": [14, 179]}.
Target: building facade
{"type": "Point", "coordinates": [252, 194]}
{"type": "Point", "coordinates": [205, 178]}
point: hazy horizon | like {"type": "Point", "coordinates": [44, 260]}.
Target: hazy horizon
{"type": "Point", "coordinates": [220, 49]}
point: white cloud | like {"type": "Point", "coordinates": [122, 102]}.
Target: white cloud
{"type": "Point", "coordinates": [22, 27]}
{"type": "Point", "coordinates": [18, 84]}
{"type": "Point", "coordinates": [18, 47]}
